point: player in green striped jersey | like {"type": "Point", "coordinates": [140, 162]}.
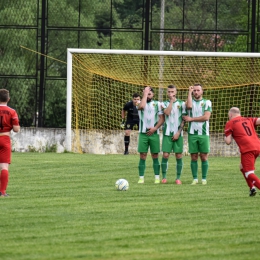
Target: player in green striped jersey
{"type": "Point", "coordinates": [173, 110]}
{"type": "Point", "coordinates": [199, 111]}
{"type": "Point", "coordinates": [150, 119]}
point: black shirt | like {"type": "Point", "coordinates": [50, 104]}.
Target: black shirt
{"type": "Point", "coordinates": [132, 112]}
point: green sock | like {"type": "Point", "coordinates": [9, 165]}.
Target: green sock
{"type": "Point", "coordinates": [194, 169]}
{"type": "Point", "coordinates": [156, 166]}
{"type": "Point", "coordinates": [204, 169]}
{"type": "Point", "coordinates": [141, 167]}
{"type": "Point", "coordinates": [179, 167]}
{"type": "Point", "coordinates": [164, 166]}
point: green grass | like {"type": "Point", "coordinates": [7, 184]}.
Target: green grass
{"type": "Point", "coordinates": [65, 206]}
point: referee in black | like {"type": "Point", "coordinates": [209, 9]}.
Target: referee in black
{"type": "Point", "coordinates": [132, 119]}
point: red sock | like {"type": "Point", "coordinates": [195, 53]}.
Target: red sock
{"type": "Point", "coordinates": [254, 179]}
{"type": "Point", "coordinates": [249, 183]}
{"type": "Point", "coordinates": [3, 181]}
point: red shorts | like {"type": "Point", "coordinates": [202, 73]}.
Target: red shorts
{"type": "Point", "coordinates": [248, 160]}
{"type": "Point", "coordinates": [5, 149]}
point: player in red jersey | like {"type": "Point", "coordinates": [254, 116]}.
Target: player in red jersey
{"type": "Point", "coordinates": [8, 121]}
{"type": "Point", "coordinates": [242, 129]}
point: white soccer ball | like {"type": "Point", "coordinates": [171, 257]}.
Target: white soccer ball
{"type": "Point", "coordinates": [122, 184]}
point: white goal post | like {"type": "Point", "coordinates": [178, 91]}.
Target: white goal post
{"type": "Point", "coordinates": [206, 56]}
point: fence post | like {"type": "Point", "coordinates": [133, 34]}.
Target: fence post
{"type": "Point", "coordinates": [42, 66]}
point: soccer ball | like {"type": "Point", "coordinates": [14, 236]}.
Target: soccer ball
{"type": "Point", "coordinates": [122, 184]}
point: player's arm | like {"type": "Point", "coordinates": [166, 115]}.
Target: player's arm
{"type": "Point", "coordinates": [161, 117]}
{"type": "Point", "coordinates": [228, 139]}
{"type": "Point", "coordinates": [177, 135]}
{"type": "Point", "coordinates": [167, 111]}
{"type": "Point", "coordinates": [257, 121]}
{"type": "Point", "coordinates": [228, 134]}
{"type": "Point", "coordinates": [15, 123]}
{"type": "Point", "coordinates": [16, 128]}
{"type": "Point", "coordinates": [144, 98]}
{"type": "Point", "coordinates": [160, 122]}
{"type": "Point", "coordinates": [203, 118]}
{"type": "Point", "coordinates": [157, 126]}
{"type": "Point", "coordinates": [123, 114]}
{"type": "Point", "coordinates": [189, 99]}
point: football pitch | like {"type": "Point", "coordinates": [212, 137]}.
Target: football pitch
{"type": "Point", "coordinates": [65, 206]}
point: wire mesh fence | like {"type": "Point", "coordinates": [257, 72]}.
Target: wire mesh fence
{"type": "Point", "coordinates": [37, 83]}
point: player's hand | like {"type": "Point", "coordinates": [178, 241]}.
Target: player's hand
{"type": "Point", "coordinates": [122, 124]}
{"type": "Point", "coordinates": [191, 89]}
{"type": "Point", "coordinates": [137, 103]}
{"type": "Point", "coordinates": [176, 137]}
{"type": "Point", "coordinates": [147, 90]}
{"type": "Point", "coordinates": [172, 97]}
{"type": "Point", "coordinates": [151, 130]}
{"type": "Point", "coordinates": [187, 118]}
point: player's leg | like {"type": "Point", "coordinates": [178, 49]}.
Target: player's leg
{"type": "Point", "coordinates": [5, 160]}
{"type": "Point", "coordinates": [179, 167]}
{"type": "Point", "coordinates": [204, 167]}
{"type": "Point", "coordinates": [154, 142]}
{"type": "Point", "coordinates": [164, 166]}
{"type": "Point", "coordinates": [249, 183]}
{"type": "Point", "coordinates": [4, 177]}
{"type": "Point", "coordinates": [248, 164]}
{"type": "Point", "coordinates": [253, 178]}
{"type": "Point", "coordinates": [127, 141]}
{"type": "Point", "coordinates": [142, 149]}
{"type": "Point", "coordinates": [178, 150]}
{"type": "Point", "coordinates": [204, 149]}
{"type": "Point", "coordinates": [156, 167]}
{"type": "Point", "coordinates": [167, 149]}
{"type": "Point", "coordinates": [193, 150]}
{"type": "Point", "coordinates": [128, 128]}
{"type": "Point", "coordinates": [252, 190]}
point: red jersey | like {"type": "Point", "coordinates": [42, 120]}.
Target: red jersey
{"type": "Point", "coordinates": [243, 131]}
{"type": "Point", "coordinates": [8, 118]}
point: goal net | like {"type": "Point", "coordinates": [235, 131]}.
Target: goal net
{"type": "Point", "coordinates": [100, 82]}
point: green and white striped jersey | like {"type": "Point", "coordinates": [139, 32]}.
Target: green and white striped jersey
{"type": "Point", "coordinates": [173, 121]}
{"type": "Point", "coordinates": [198, 109]}
{"type": "Point", "coordinates": [149, 116]}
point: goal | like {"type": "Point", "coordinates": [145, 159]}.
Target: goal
{"type": "Point", "coordinates": [100, 82]}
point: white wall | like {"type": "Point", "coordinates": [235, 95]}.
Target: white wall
{"type": "Point", "coordinates": [98, 142]}
{"type": "Point", "coordinates": [38, 140]}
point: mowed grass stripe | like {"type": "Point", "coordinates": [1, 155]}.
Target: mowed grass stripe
{"type": "Point", "coordinates": [65, 206]}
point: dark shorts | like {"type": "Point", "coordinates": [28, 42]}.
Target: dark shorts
{"type": "Point", "coordinates": [129, 125]}
{"type": "Point", "coordinates": [5, 149]}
